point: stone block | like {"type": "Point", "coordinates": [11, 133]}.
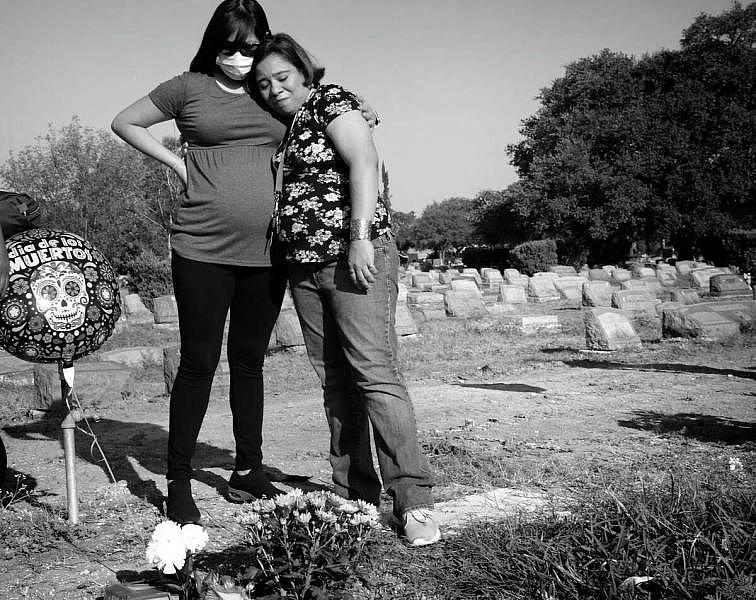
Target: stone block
{"type": "Point", "coordinates": [532, 324]}
{"type": "Point", "coordinates": [445, 278]}
{"type": "Point", "coordinates": [440, 288]}
{"type": "Point", "coordinates": [15, 371]}
{"type": "Point", "coordinates": [464, 304]}
{"type": "Point", "coordinates": [742, 311]}
{"type": "Point", "coordinates": [563, 270]}
{"type": "Point", "coordinates": [465, 285]}
{"type": "Point", "coordinates": [421, 281]}
{"type": "Point", "coordinates": [135, 356]}
{"type": "Point", "coordinates": [425, 299]}
{"type": "Point", "coordinates": [667, 277]}
{"type": "Point", "coordinates": [135, 310]}
{"type": "Point", "coordinates": [433, 274]}
{"type": "Point", "coordinates": [698, 320]}
{"type": "Point", "coordinates": [542, 289]}
{"type": "Point", "coordinates": [404, 323]}
{"type": "Point", "coordinates": [429, 313]}
{"type": "Point", "coordinates": [597, 293]}
{"type": "Point", "coordinates": [609, 329]}
{"type": "Point", "coordinates": [637, 300]}
{"type": "Point", "coordinates": [92, 382]}
{"type": "Point", "coordinates": [599, 275]}
{"type": "Point", "coordinates": [683, 267]}
{"type": "Point", "coordinates": [470, 272]}
{"type": "Point", "coordinates": [640, 271]}
{"type": "Point", "coordinates": [729, 285]}
{"type": "Point", "coordinates": [620, 275]}
{"type": "Point", "coordinates": [501, 308]}
{"type": "Point", "coordinates": [511, 275]}
{"type": "Point", "coordinates": [699, 278]}
{"type": "Point", "coordinates": [685, 296]}
{"type": "Point", "coordinates": [608, 268]}
{"type": "Point", "coordinates": [492, 278]}
{"type": "Point", "coordinates": [571, 288]}
{"type": "Point", "coordinates": [545, 274]}
{"type": "Point", "coordinates": [512, 294]}
{"type": "Point", "coordinates": [166, 310]}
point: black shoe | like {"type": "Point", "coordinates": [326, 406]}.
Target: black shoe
{"type": "Point", "coordinates": [180, 506]}
{"type": "Point", "coordinates": [252, 486]}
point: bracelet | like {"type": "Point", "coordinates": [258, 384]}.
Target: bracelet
{"type": "Point", "coordinates": [359, 229]}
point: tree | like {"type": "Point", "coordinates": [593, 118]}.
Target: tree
{"type": "Point", "coordinates": [403, 225]}
{"type": "Point", "coordinates": [90, 184]}
{"type": "Point", "coordinates": [385, 186]}
{"type": "Point", "coordinates": [660, 148]}
{"type": "Point", "coordinates": [444, 226]}
{"type": "Point", "coordinates": [503, 218]}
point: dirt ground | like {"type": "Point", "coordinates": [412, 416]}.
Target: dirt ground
{"type": "Point", "coordinates": [585, 409]}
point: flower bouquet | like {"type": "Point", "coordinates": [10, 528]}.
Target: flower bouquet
{"type": "Point", "coordinates": [171, 550]}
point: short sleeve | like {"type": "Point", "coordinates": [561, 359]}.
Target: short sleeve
{"type": "Point", "coordinates": [170, 96]}
{"type": "Point", "coordinates": [334, 101]}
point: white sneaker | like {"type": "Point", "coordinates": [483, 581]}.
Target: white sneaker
{"type": "Point", "coordinates": [419, 527]}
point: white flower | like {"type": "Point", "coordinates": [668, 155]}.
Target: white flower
{"type": "Point", "coordinates": [166, 549]}
{"type": "Point", "coordinates": [735, 465]}
{"type": "Point", "coordinates": [326, 516]}
{"type": "Point", "coordinates": [194, 536]}
{"type": "Point", "coordinates": [303, 518]}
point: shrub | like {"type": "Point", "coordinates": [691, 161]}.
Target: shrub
{"type": "Point", "coordinates": [740, 249]}
{"type": "Point", "coordinates": [485, 256]}
{"type": "Point", "coordinates": [150, 275]}
{"type": "Point", "coordinates": [535, 256]}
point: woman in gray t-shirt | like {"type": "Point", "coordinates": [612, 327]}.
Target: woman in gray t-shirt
{"type": "Point", "coordinates": [219, 257]}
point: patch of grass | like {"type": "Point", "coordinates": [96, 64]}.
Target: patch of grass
{"type": "Point", "coordinates": [694, 536]}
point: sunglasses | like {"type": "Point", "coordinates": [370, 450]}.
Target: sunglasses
{"type": "Point", "coordinates": [248, 50]}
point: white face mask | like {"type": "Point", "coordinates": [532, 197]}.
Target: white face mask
{"type": "Point", "coordinates": [237, 66]}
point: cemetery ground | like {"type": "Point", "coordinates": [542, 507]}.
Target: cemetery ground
{"type": "Point", "coordinates": [616, 464]}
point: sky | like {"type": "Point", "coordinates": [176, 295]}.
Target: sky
{"type": "Point", "coordinates": [451, 79]}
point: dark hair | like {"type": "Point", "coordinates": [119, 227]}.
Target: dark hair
{"type": "Point", "coordinates": [287, 47]}
{"type": "Point", "coordinates": [240, 17]}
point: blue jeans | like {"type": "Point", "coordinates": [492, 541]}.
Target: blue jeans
{"type": "Point", "coordinates": [351, 343]}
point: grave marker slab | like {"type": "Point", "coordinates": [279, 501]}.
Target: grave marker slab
{"type": "Point", "coordinates": [683, 267]}
{"type": "Point", "coordinates": [563, 270]}
{"type": "Point", "coordinates": [166, 310]}
{"type": "Point", "coordinates": [636, 300]}
{"type": "Point", "coordinates": [464, 304]}
{"type": "Point", "coordinates": [698, 320]}
{"type": "Point", "coordinates": [729, 285]}
{"type": "Point", "coordinates": [532, 324]}
{"type": "Point", "coordinates": [425, 300]}
{"type": "Point", "coordinates": [422, 281]}
{"type": "Point", "coordinates": [404, 323]}
{"type": "Point", "coordinates": [465, 285]}
{"type": "Point", "coordinates": [571, 288]}
{"type": "Point", "coordinates": [685, 296]}
{"type": "Point", "coordinates": [512, 294]}
{"type": "Point", "coordinates": [597, 293]}
{"type": "Point", "coordinates": [135, 310]}
{"type": "Point", "coordinates": [542, 289]}
{"type": "Point", "coordinates": [599, 275]}
{"type": "Point", "coordinates": [100, 381]}
{"type": "Point", "coordinates": [699, 278]}
{"type": "Point", "coordinates": [620, 275]}
{"type": "Point", "coordinates": [609, 329]}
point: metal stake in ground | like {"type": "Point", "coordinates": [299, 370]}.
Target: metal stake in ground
{"type": "Point", "coordinates": [66, 372]}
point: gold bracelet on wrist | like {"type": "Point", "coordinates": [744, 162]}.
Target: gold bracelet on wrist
{"type": "Point", "coordinates": [359, 229]}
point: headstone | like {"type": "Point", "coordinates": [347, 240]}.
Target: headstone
{"type": "Point", "coordinates": [609, 329]}
{"type": "Point", "coordinates": [135, 310]}
{"type": "Point", "coordinates": [743, 311]}
{"type": "Point", "coordinates": [532, 324]}
{"type": "Point", "coordinates": [464, 304]}
{"type": "Point", "coordinates": [542, 289]}
{"type": "Point", "coordinates": [599, 275]}
{"type": "Point", "coordinates": [597, 293]}
{"type": "Point", "coordinates": [431, 300]}
{"type": "Point", "coordinates": [698, 320]}
{"type": "Point", "coordinates": [166, 310]}
{"type": "Point", "coordinates": [683, 267]}
{"type": "Point", "coordinates": [667, 277]}
{"type": "Point", "coordinates": [433, 274]}
{"type": "Point", "coordinates": [135, 356]}
{"type": "Point", "coordinates": [514, 277]}
{"type": "Point", "coordinates": [422, 281]}
{"type": "Point", "coordinates": [685, 296]}
{"type": "Point", "coordinates": [445, 277]}
{"type": "Point", "coordinates": [440, 288]}
{"type": "Point", "coordinates": [635, 284]}
{"type": "Point", "coordinates": [642, 271]}
{"type": "Point", "coordinates": [571, 288]}
{"type": "Point", "coordinates": [405, 324]}
{"type": "Point", "coordinates": [620, 275]}
{"type": "Point", "coordinates": [512, 294]}
{"type": "Point", "coordinates": [465, 285]}
{"type": "Point", "coordinates": [101, 381]}
{"type": "Point", "coordinates": [545, 274]}
{"type": "Point", "coordinates": [699, 278]}
{"type": "Point", "coordinates": [636, 300]}
{"type": "Point", "coordinates": [500, 308]}
{"type": "Point", "coordinates": [492, 278]}
{"type": "Point", "coordinates": [609, 268]}
{"type": "Point", "coordinates": [563, 270]}
{"type": "Point", "coordinates": [729, 285]}
{"type": "Point", "coordinates": [15, 371]}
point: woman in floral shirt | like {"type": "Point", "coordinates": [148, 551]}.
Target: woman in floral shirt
{"type": "Point", "coordinates": [342, 259]}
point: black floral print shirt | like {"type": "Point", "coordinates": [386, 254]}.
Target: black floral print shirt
{"type": "Point", "coordinates": [313, 213]}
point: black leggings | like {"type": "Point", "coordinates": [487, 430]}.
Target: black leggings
{"type": "Point", "coordinates": [204, 293]}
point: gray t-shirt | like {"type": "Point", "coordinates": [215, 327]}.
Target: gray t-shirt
{"type": "Point", "coordinates": [225, 213]}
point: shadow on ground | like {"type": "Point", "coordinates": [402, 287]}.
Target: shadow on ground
{"type": "Point", "coordinates": [705, 428]}
{"type": "Point", "coordinates": [127, 443]}
{"type": "Point", "coordinates": [503, 387]}
{"type": "Point", "coordinates": [660, 367]}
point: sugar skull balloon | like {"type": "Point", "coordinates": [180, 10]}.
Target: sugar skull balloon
{"type": "Point", "coordinates": [62, 297]}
